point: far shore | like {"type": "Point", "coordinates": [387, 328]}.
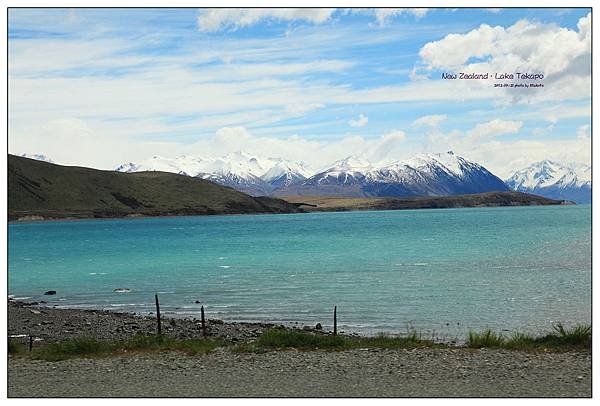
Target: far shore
{"type": "Point", "coordinates": [311, 204]}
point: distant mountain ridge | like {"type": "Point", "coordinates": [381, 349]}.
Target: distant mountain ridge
{"type": "Point", "coordinates": [425, 175]}
{"type": "Point", "coordinates": [555, 180]}
{"type": "Point", "coordinates": [40, 190]}
{"type": "Point", "coordinates": [240, 170]}
{"type": "Point", "coordinates": [442, 174]}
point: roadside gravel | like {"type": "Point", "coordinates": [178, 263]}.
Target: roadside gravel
{"type": "Point", "coordinates": [356, 373]}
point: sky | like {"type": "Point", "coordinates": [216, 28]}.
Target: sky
{"type": "Point", "coordinates": [100, 87]}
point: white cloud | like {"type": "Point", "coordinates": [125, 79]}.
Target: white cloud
{"type": "Point", "coordinates": [583, 132]}
{"type": "Point", "coordinates": [430, 121]}
{"type": "Point", "coordinates": [554, 113]}
{"type": "Point", "coordinates": [494, 128]}
{"type": "Point", "coordinates": [539, 131]}
{"type": "Point", "coordinates": [361, 121]}
{"type": "Point", "coordinates": [241, 71]}
{"type": "Point", "coordinates": [388, 147]}
{"type": "Point", "coordinates": [562, 55]}
{"type": "Point", "coordinates": [300, 109]}
{"type": "Point", "coordinates": [384, 14]}
{"type": "Point", "coordinates": [217, 19]}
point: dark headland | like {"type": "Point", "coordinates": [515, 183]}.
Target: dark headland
{"type": "Point", "coordinates": [40, 191]}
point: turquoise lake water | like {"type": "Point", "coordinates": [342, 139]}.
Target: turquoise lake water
{"type": "Point", "coordinates": [440, 271]}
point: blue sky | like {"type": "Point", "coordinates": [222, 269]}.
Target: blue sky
{"type": "Point", "coordinates": [98, 87]}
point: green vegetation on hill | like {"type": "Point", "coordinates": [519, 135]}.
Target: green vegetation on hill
{"type": "Point", "coordinates": [39, 190]}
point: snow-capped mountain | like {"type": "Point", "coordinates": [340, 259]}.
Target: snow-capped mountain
{"type": "Point", "coordinates": [424, 175]}
{"type": "Point", "coordinates": [184, 165]}
{"type": "Point", "coordinates": [554, 180]}
{"type": "Point", "coordinates": [38, 157]}
{"type": "Point", "coordinates": [239, 170]}
{"type": "Point", "coordinates": [284, 173]}
{"type": "Point", "coordinates": [349, 171]}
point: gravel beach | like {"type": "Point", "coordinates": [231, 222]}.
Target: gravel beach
{"type": "Point", "coordinates": [47, 324]}
{"type": "Point", "coordinates": [458, 372]}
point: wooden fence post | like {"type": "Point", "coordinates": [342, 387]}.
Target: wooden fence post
{"type": "Point", "coordinates": [334, 320]}
{"type": "Point", "coordinates": [157, 314]}
{"type": "Point", "coordinates": [203, 321]}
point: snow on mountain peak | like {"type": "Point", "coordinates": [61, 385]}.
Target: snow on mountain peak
{"type": "Point", "coordinates": [448, 161]}
{"type": "Point", "coordinates": [281, 167]}
{"type": "Point", "coordinates": [38, 157]}
{"type": "Point", "coordinates": [127, 167]}
{"type": "Point", "coordinates": [352, 162]}
{"type": "Point", "coordinates": [549, 173]}
{"type": "Point", "coordinates": [238, 166]}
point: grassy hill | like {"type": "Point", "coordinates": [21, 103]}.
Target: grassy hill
{"type": "Point", "coordinates": [39, 190]}
{"type": "Point", "coordinates": [489, 199]}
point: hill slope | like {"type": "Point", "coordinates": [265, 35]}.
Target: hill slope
{"type": "Point", "coordinates": [42, 189]}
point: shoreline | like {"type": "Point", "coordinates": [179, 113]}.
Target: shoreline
{"type": "Point", "coordinates": [129, 216]}
{"type": "Point", "coordinates": [304, 205]}
{"type": "Point", "coordinates": [42, 219]}
{"type": "Point", "coordinates": [49, 324]}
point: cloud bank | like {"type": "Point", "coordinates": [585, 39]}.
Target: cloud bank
{"type": "Point", "coordinates": [218, 19]}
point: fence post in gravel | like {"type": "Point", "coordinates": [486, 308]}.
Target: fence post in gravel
{"type": "Point", "coordinates": [203, 321]}
{"type": "Point", "coordinates": [334, 320]}
{"type": "Point", "coordinates": [30, 344]}
{"type": "Point", "coordinates": [157, 314]}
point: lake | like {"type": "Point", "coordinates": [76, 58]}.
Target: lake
{"type": "Point", "coordinates": [440, 271]}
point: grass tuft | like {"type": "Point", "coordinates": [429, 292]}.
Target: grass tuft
{"type": "Point", "coordinates": [283, 339]}
{"type": "Point", "coordinates": [486, 339]}
{"type": "Point", "coordinates": [72, 348]}
{"type": "Point", "coordinates": [15, 347]}
{"type": "Point", "coordinates": [576, 338]}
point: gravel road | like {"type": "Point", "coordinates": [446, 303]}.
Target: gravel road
{"type": "Point", "coordinates": [356, 373]}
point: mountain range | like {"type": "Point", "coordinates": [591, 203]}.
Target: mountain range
{"type": "Point", "coordinates": [441, 174]}
{"type": "Point", "coordinates": [239, 170]}
{"type": "Point", "coordinates": [555, 181]}
{"type": "Point", "coordinates": [40, 190]}
{"type": "Point", "coordinates": [425, 175]}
